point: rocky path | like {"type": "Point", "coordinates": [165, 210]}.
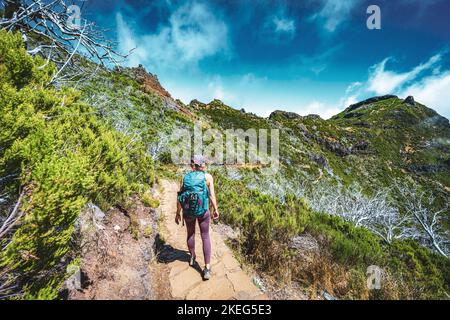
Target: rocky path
{"type": "Point", "coordinates": [229, 281]}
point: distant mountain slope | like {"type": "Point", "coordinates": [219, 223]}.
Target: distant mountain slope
{"type": "Point", "coordinates": [370, 143]}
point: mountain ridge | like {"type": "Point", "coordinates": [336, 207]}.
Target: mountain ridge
{"type": "Point", "coordinates": [151, 82]}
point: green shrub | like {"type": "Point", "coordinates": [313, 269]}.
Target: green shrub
{"type": "Point", "coordinates": [65, 156]}
{"type": "Point", "coordinates": [349, 244]}
{"type": "Point", "coordinates": [149, 201]}
{"type": "Point", "coordinates": [427, 274]}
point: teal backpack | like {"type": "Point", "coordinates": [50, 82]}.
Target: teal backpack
{"type": "Point", "coordinates": [194, 195]}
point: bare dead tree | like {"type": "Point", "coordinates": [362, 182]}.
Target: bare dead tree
{"type": "Point", "coordinates": [351, 204]}
{"type": "Point", "coordinates": [424, 207]}
{"type": "Point", "coordinates": [376, 213]}
{"type": "Point", "coordinates": [60, 34]}
{"type": "Point", "coordinates": [390, 225]}
{"type": "Point", "coordinates": [13, 217]}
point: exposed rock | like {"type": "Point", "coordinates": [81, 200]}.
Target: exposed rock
{"type": "Point", "coordinates": [74, 281]}
{"type": "Point", "coordinates": [359, 147]}
{"type": "Point", "coordinates": [363, 124]}
{"type": "Point", "coordinates": [302, 127]}
{"type": "Point", "coordinates": [97, 213]}
{"type": "Point", "coordinates": [313, 117]}
{"type": "Point", "coordinates": [329, 143]}
{"type": "Point", "coordinates": [369, 101]}
{"type": "Point", "coordinates": [319, 159]}
{"type": "Point", "coordinates": [353, 115]}
{"type": "Point", "coordinates": [285, 114]}
{"type": "Point", "coordinates": [304, 243]}
{"type": "Point", "coordinates": [337, 148]}
{"type": "Point", "coordinates": [226, 231]}
{"type": "Point", "coordinates": [328, 296]}
{"type": "Point", "coordinates": [429, 168]}
{"type": "Point", "coordinates": [410, 100]}
{"type": "Point", "coordinates": [149, 81]}
{"type": "Point", "coordinates": [197, 104]}
{"type": "Point", "coordinates": [259, 283]}
{"type": "Point", "coordinates": [150, 84]}
{"type": "Point", "coordinates": [436, 120]}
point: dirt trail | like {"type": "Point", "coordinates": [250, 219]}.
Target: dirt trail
{"type": "Point", "coordinates": [229, 281]}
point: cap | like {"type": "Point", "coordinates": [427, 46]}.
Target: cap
{"type": "Point", "coordinates": [198, 160]}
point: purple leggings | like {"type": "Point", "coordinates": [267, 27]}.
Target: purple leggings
{"type": "Point", "coordinates": [203, 222]}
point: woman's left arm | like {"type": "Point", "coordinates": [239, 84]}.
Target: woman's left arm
{"type": "Point", "coordinates": [178, 215]}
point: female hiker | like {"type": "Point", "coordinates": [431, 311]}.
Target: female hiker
{"type": "Point", "coordinates": [197, 190]}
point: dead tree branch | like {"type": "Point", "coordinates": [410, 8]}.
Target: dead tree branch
{"type": "Point", "coordinates": [12, 218]}
{"type": "Point", "coordinates": [61, 35]}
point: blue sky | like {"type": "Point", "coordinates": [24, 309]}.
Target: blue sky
{"type": "Point", "coordinates": [310, 56]}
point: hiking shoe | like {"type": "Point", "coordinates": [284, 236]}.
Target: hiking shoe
{"type": "Point", "coordinates": [207, 274]}
{"type": "Point", "coordinates": [192, 261]}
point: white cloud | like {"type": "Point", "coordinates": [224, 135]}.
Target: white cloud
{"type": "Point", "coordinates": [127, 42]}
{"type": "Point", "coordinates": [353, 86]}
{"type": "Point", "coordinates": [251, 80]}
{"type": "Point", "coordinates": [278, 26]}
{"type": "Point", "coordinates": [334, 13]}
{"type": "Point", "coordinates": [316, 107]}
{"type": "Point", "coordinates": [216, 90]}
{"type": "Point", "coordinates": [284, 25]}
{"type": "Point", "coordinates": [382, 81]}
{"type": "Point", "coordinates": [348, 101]}
{"type": "Point", "coordinates": [192, 34]}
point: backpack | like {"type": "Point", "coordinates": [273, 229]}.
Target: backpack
{"type": "Point", "coordinates": [194, 197]}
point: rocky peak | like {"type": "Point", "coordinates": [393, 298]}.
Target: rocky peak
{"type": "Point", "coordinates": [196, 104]}
{"type": "Point", "coordinates": [410, 100]}
{"type": "Point", "coordinates": [285, 114]}
{"type": "Point", "coordinates": [293, 115]}
{"type": "Point", "coordinates": [149, 81]}
{"type": "Point", "coordinates": [369, 101]}
{"type": "Point", "coordinates": [313, 117]}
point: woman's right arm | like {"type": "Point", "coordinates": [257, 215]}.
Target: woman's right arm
{"type": "Point", "coordinates": [212, 195]}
